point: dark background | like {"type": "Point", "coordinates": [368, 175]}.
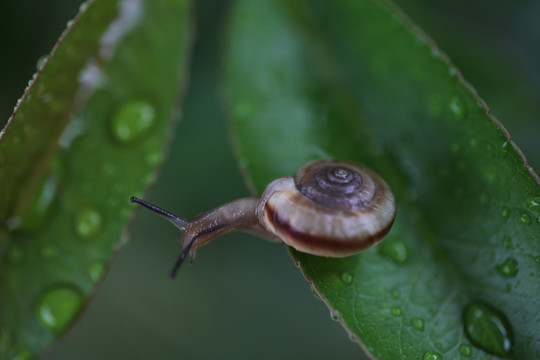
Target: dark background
{"type": "Point", "coordinates": [243, 298]}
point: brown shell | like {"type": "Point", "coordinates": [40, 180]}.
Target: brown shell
{"type": "Point", "coordinates": [330, 208]}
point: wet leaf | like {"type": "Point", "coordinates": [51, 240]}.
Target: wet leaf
{"type": "Point", "coordinates": [356, 80]}
{"type": "Point", "coordinates": [88, 133]}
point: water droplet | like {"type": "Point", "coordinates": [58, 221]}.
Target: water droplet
{"type": "Point", "coordinates": [438, 345]}
{"type": "Point", "coordinates": [509, 268]}
{"type": "Point", "coordinates": [396, 311]}
{"type": "Point", "coordinates": [396, 293]}
{"type": "Point", "coordinates": [154, 158]}
{"type": "Point", "coordinates": [525, 219]}
{"type": "Point", "coordinates": [465, 350]}
{"type": "Point", "coordinates": [455, 147]}
{"type": "Point", "coordinates": [87, 222]}
{"type": "Point", "coordinates": [395, 250]}
{"type": "Point", "coordinates": [507, 242]}
{"type": "Point", "coordinates": [41, 61]}
{"type": "Point", "coordinates": [315, 293]}
{"type": "Point", "coordinates": [504, 147]}
{"type": "Point", "coordinates": [243, 109]}
{"type": "Point", "coordinates": [432, 355]}
{"type": "Point", "coordinates": [457, 107]}
{"type": "Point", "coordinates": [132, 120]}
{"type": "Point", "coordinates": [32, 215]}
{"type": "Point", "coordinates": [488, 329]}
{"type": "Point", "coordinates": [417, 323]}
{"type": "Point", "coordinates": [57, 307]}
{"type": "Point", "coordinates": [107, 169]}
{"type": "Point", "coordinates": [347, 277]}
{"type": "Point", "coordinates": [505, 212]}
{"type": "Point", "coordinates": [49, 252]}
{"type": "Point", "coordinates": [483, 198]}
{"type": "Point", "coordinates": [96, 271]}
{"type": "Point", "coordinates": [15, 252]}
{"type": "Point", "coordinates": [452, 71]}
{"type": "Point", "coordinates": [533, 203]}
{"type": "Point", "coordinates": [334, 315]}
{"type": "Point", "coordinates": [83, 6]}
{"type": "Point", "coordinates": [22, 354]}
{"type": "Point", "coordinates": [537, 259]}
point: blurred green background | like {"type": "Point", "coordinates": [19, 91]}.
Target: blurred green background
{"type": "Point", "coordinates": [243, 298]}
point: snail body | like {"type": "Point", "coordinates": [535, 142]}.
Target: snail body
{"type": "Point", "coordinates": [329, 208]}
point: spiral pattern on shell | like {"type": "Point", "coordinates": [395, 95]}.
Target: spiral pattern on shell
{"type": "Point", "coordinates": [330, 208]}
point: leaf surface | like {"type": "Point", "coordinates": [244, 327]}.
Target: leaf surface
{"type": "Point", "coordinates": [457, 275]}
{"type": "Point", "coordinates": [88, 133]}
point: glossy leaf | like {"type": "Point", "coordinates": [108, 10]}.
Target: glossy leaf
{"type": "Point", "coordinates": [356, 80]}
{"type": "Point", "coordinates": [88, 133]}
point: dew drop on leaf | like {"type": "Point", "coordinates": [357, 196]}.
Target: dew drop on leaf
{"type": "Point", "coordinates": [395, 250]}
{"type": "Point", "coordinates": [49, 252]}
{"type": "Point", "coordinates": [41, 61]}
{"type": "Point", "coordinates": [533, 203]}
{"type": "Point", "coordinates": [503, 148]}
{"type": "Point", "coordinates": [525, 219]}
{"type": "Point", "coordinates": [432, 355]}
{"type": "Point", "coordinates": [57, 306]}
{"type": "Point", "coordinates": [507, 242]}
{"type": "Point", "coordinates": [33, 214]}
{"type": "Point", "coordinates": [347, 278]}
{"type": "Point", "coordinates": [15, 252]}
{"type": "Point", "coordinates": [154, 158]}
{"type": "Point", "coordinates": [22, 354]}
{"type": "Point", "coordinates": [96, 271]}
{"type": "Point", "coordinates": [418, 323]}
{"type": "Point", "coordinates": [396, 293]}
{"type": "Point", "coordinates": [87, 222]}
{"type": "Point", "coordinates": [132, 120]}
{"type": "Point", "coordinates": [488, 329]}
{"type": "Point", "coordinates": [315, 293]}
{"type": "Point", "coordinates": [334, 315]}
{"type": "Point", "coordinates": [243, 109]}
{"type": "Point", "coordinates": [483, 198]}
{"type": "Point", "coordinates": [457, 107]}
{"type": "Point", "coordinates": [537, 259]}
{"type": "Point", "coordinates": [396, 311]}
{"type": "Point", "coordinates": [509, 268]}
{"type": "Point", "coordinates": [455, 147]}
{"type": "Point", "coordinates": [107, 169]}
{"type": "Point", "coordinates": [465, 350]}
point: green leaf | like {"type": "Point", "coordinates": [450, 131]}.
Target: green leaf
{"type": "Point", "coordinates": [88, 133]}
{"type": "Point", "coordinates": [457, 275]}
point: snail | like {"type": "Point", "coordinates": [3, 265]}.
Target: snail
{"type": "Point", "coordinates": [329, 208]}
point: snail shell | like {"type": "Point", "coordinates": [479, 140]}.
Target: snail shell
{"type": "Point", "coordinates": [330, 208]}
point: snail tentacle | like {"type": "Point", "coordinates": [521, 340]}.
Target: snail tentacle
{"type": "Point", "coordinates": [238, 215]}
{"type": "Point", "coordinates": [177, 221]}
